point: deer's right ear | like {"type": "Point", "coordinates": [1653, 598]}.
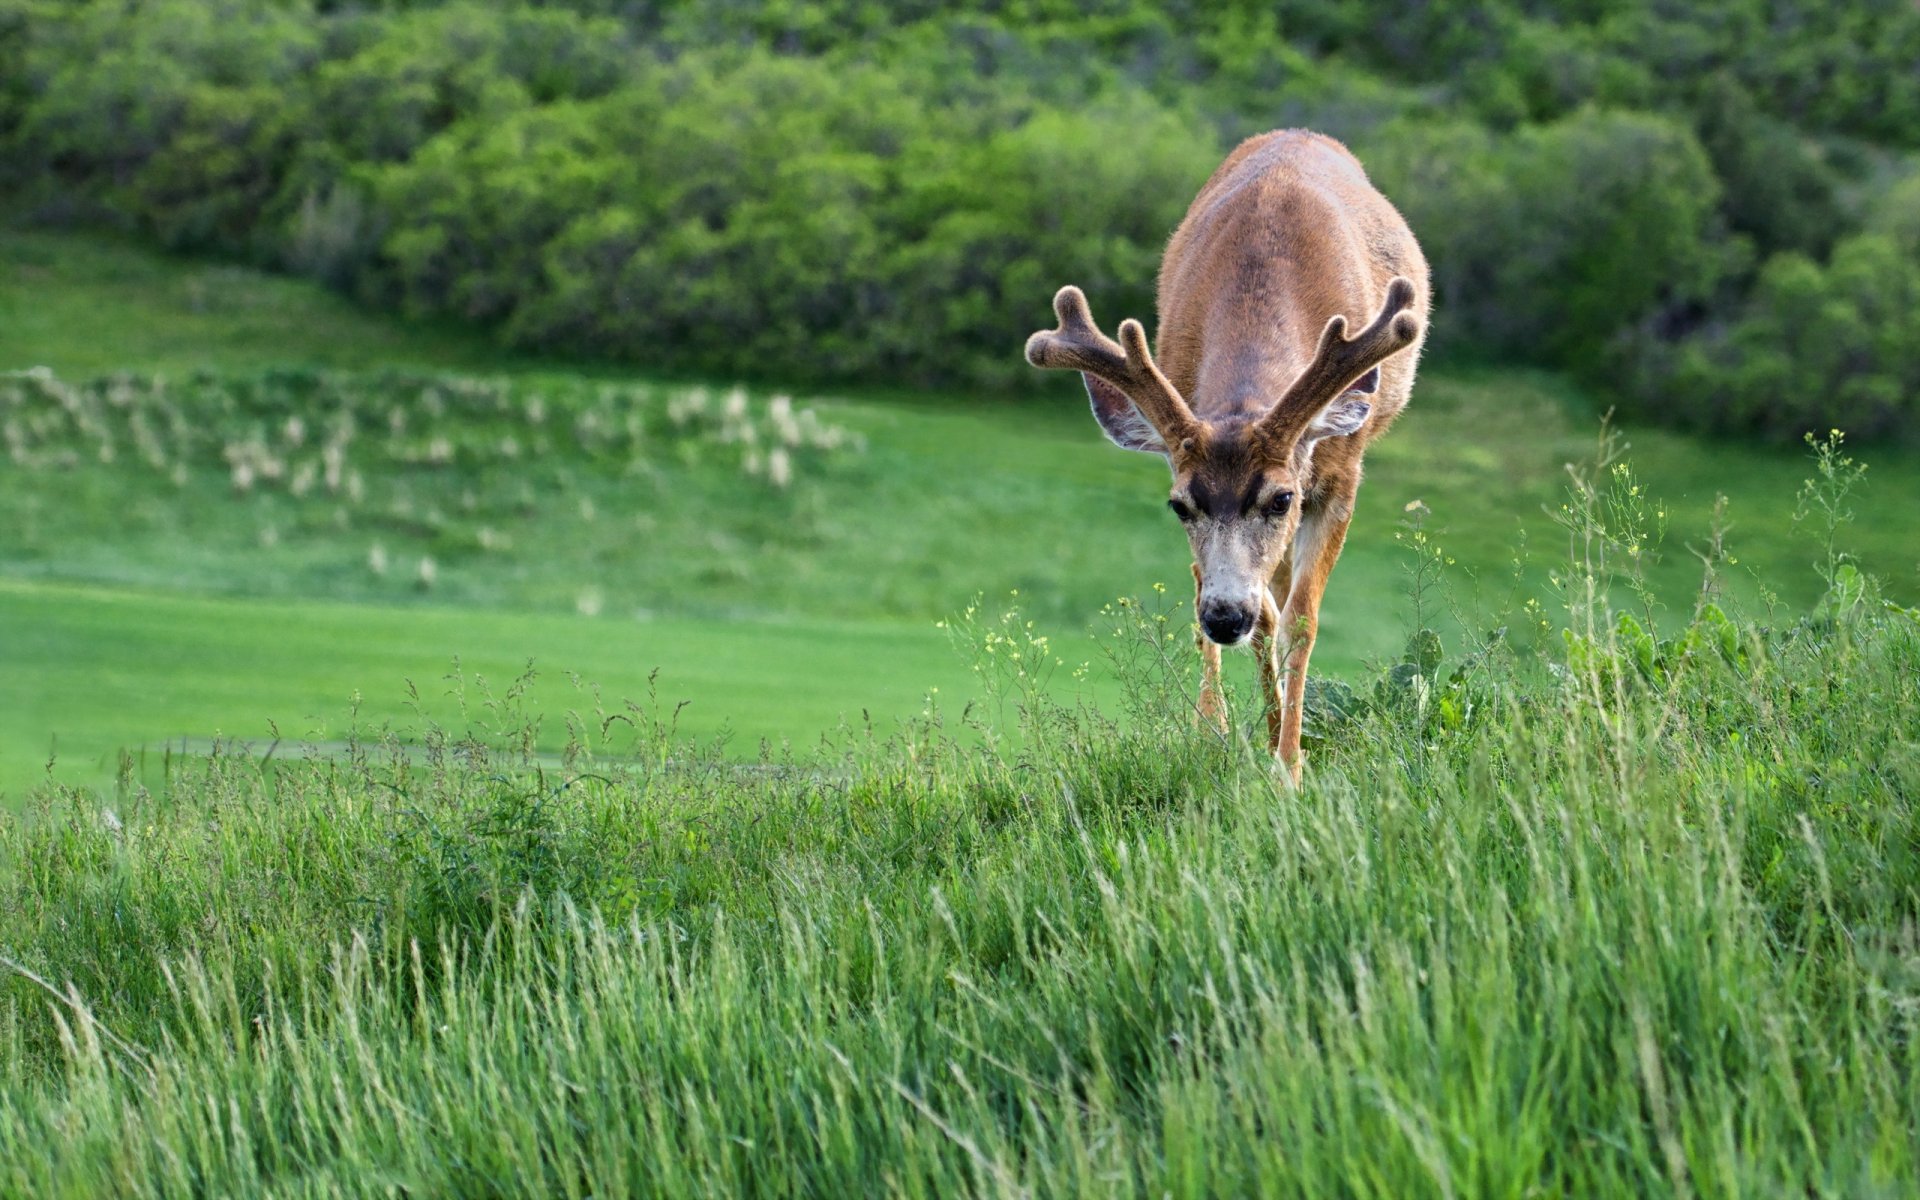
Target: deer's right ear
{"type": "Point", "coordinates": [1120, 419]}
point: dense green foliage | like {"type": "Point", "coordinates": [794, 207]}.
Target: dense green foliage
{"type": "Point", "coordinates": [1642, 922]}
{"type": "Point", "coordinates": [1847, 332]}
{"type": "Point", "coordinates": [848, 190]}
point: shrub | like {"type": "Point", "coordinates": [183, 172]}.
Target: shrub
{"type": "Point", "coordinates": [848, 190]}
{"type": "Point", "coordinates": [1776, 186]}
{"type": "Point", "coordinates": [1000, 225]}
{"type": "Point", "coordinates": [1548, 242]}
{"type": "Point", "coordinates": [1816, 347]}
{"type": "Point", "coordinates": [174, 120]}
{"type": "Point", "coordinates": [1897, 215]}
{"type": "Point", "coordinates": [467, 219]}
{"type": "Point", "coordinates": [748, 223]}
{"type": "Point", "coordinates": [825, 220]}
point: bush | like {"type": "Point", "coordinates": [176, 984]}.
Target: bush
{"type": "Point", "coordinates": [1843, 68]}
{"type": "Point", "coordinates": [838, 189]}
{"type": "Point", "coordinates": [1548, 242]}
{"type": "Point", "coordinates": [1816, 347]}
{"type": "Point", "coordinates": [1777, 187]}
{"type": "Point", "coordinates": [1898, 215]}
{"type": "Point", "coordinates": [826, 222]}
{"type": "Point", "coordinates": [746, 224]}
{"type": "Point", "coordinates": [1000, 225]}
{"type": "Point", "coordinates": [174, 121]}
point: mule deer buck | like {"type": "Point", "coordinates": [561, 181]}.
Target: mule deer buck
{"type": "Point", "coordinates": [1257, 398]}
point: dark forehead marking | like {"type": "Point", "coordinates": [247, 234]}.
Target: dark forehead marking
{"type": "Point", "coordinates": [1233, 468]}
{"type": "Point", "coordinates": [1226, 477]}
{"type": "Point", "coordinates": [1230, 450]}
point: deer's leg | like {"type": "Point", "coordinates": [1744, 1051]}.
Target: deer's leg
{"type": "Point", "coordinates": [1213, 704]}
{"type": "Point", "coordinates": [1266, 646]}
{"type": "Point", "coordinates": [1266, 649]}
{"type": "Point", "coordinates": [1316, 547]}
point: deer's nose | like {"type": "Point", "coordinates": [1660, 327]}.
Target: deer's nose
{"type": "Point", "coordinates": [1226, 622]}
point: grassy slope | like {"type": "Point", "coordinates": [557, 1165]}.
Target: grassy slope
{"type": "Point", "coordinates": [957, 496]}
{"type": "Point", "coordinates": [1582, 937]}
{"type": "Point", "coordinates": [90, 304]}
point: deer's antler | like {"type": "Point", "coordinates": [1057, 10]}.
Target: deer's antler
{"type": "Point", "coordinates": [1339, 361]}
{"type": "Point", "coordinates": [1078, 345]}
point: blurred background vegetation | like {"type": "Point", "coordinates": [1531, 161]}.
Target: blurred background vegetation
{"type": "Point", "coordinates": [1709, 213]}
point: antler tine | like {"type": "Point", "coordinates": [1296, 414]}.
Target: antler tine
{"type": "Point", "coordinates": [1338, 360]}
{"type": "Point", "coordinates": [1078, 345]}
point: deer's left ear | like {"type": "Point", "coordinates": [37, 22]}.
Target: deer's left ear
{"type": "Point", "coordinates": [1344, 416]}
{"type": "Point", "coordinates": [1347, 414]}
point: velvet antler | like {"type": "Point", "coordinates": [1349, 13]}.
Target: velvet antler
{"type": "Point", "coordinates": [1338, 362]}
{"type": "Point", "coordinates": [1078, 345]}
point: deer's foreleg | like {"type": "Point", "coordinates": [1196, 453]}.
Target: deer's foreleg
{"type": "Point", "coordinates": [1316, 547]}
{"type": "Point", "coordinates": [1266, 649]}
{"type": "Point", "coordinates": [1266, 646]}
{"type": "Point", "coordinates": [1212, 709]}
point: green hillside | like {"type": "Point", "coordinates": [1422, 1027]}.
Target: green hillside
{"type": "Point", "coordinates": [750, 600]}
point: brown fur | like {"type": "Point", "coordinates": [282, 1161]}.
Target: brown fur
{"type": "Point", "coordinates": [1284, 245]}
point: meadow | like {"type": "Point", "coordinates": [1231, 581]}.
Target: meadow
{"type": "Point", "coordinates": [692, 834]}
{"type": "Point", "coordinates": [551, 644]}
{"type": "Point", "coordinates": [1634, 918]}
{"type": "Point", "coordinates": [151, 603]}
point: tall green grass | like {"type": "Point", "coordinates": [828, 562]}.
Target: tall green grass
{"type": "Point", "coordinates": [1632, 916]}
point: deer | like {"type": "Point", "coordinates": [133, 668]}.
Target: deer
{"type": "Point", "coordinates": [1256, 397]}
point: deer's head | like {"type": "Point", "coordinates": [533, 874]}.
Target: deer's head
{"type": "Point", "coordinates": [1237, 482]}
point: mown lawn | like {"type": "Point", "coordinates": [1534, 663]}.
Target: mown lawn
{"type": "Point", "coordinates": [87, 671]}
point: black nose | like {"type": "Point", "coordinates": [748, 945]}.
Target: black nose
{"type": "Point", "coordinates": [1226, 623]}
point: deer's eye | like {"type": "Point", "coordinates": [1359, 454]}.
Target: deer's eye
{"type": "Point", "coordinates": [1181, 509]}
{"type": "Point", "coordinates": [1278, 506]}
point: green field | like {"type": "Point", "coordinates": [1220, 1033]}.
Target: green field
{"type": "Point", "coordinates": [552, 644]}
{"type": "Point", "coordinates": [139, 612]}
{"type": "Point", "coordinates": [711, 830]}
{"type": "Point", "coordinates": [112, 670]}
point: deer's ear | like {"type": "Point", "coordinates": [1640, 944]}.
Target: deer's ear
{"type": "Point", "coordinates": [1347, 414]}
{"type": "Point", "coordinates": [1344, 416]}
{"type": "Point", "coordinates": [1122, 422]}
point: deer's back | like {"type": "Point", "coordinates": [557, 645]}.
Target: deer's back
{"type": "Point", "coordinates": [1287, 233]}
